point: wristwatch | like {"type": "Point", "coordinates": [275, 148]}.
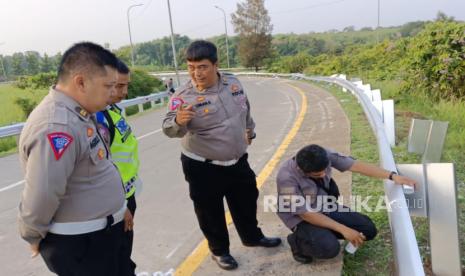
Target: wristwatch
{"type": "Point", "coordinates": [391, 175]}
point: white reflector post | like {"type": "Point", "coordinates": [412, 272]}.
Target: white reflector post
{"type": "Point", "coordinates": [389, 125]}
{"type": "Point", "coordinates": [376, 94]}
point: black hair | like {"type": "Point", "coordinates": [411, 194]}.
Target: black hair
{"type": "Point", "coordinates": [122, 67]}
{"type": "Point", "coordinates": [86, 56]}
{"type": "Point", "coordinates": [202, 49]}
{"type": "Point", "coordinates": [312, 158]}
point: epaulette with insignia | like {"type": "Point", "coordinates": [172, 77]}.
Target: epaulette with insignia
{"type": "Point", "coordinates": [81, 112]}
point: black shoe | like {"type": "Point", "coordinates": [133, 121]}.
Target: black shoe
{"type": "Point", "coordinates": [265, 242]}
{"type": "Point", "coordinates": [297, 256]}
{"type": "Point", "coordinates": [225, 261]}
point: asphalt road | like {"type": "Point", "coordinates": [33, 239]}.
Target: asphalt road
{"type": "Point", "coordinates": [166, 230]}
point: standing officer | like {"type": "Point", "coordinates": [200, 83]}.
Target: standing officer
{"type": "Point", "coordinates": [123, 146]}
{"type": "Point", "coordinates": [72, 205]}
{"type": "Point", "coordinates": [315, 230]}
{"type": "Point", "coordinates": [212, 114]}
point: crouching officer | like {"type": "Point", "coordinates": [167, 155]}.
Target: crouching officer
{"type": "Point", "coordinates": [212, 114]}
{"type": "Point", "coordinates": [124, 151]}
{"type": "Point", "coordinates": [315, 228]}
{"type": "Point", "coordinates": [72, 205]}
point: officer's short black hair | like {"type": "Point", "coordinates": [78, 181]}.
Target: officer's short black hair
{"type": "Point", "coordinates": [86, 57]}
{"type": "Point", "coordinates": [202, 49]}
{"type": "Point", "coordinates": [312, 158]}
{"type": "Point", "coordinates": [122, 67]}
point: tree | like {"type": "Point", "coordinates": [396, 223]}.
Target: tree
{"type": "Point", "coordinates": [46, 64]}
{"type": "Point", "coordinates": [33, 62]}
{"type": "Point", "coordinates": [349, 29]}
{"type": "Point", "coordinates": [18, 64]}
{"type": "Point", "coordinates": [57, 59]}
{"type": "Point", "coordinates": [441, 16]}
{"type": "Point", "coordinates": [252, 23]}
{"type": "Point", "coordinates": [3, 71]}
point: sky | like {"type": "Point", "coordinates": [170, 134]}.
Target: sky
{"type": "Point", "coordinates": [51, 26]}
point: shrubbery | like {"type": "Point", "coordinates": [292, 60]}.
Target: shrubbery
{"type": "Point", "coordinates": [143, 84]}
{"type": "Point", "coordinates": [432, 62]}
{"type": "Point", "coordinates": [39, 81]}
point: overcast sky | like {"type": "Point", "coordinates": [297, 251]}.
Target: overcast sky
{"type": "Point", "coordinates": [53, 25]}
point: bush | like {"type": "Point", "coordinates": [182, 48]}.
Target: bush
{"type": "Point", "coordinates": [143, 84]}
{"type": "Point", "coordinates": [39, 81]}
{"type": "Point", "coordinates": [26, 105]}
{"type": "Point", "coordinates": [435, 61]}
{"type": "Point", "coordinates": [291, 64]}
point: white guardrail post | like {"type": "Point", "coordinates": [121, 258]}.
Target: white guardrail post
{"type": "Point", "coordinates": [13, 130]}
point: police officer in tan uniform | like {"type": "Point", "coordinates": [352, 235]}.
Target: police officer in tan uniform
{"type": "Point", "coordinates": [72, 205]}
{"type": "Point", "coordinates": [212, 115]}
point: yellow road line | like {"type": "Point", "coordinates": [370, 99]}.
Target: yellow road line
{"type": "Point", "coordinates": [193, 261]}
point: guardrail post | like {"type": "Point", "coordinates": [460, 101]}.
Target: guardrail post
{"type": "Point", "coordinates": [439, 192]}
{"type": "Point", "coordinates": [141, 107]}
{"type": "Point", "coordinates": [443, 222]}
{"type": "Point", "coordinates": [389, 121]}
{"type": "Point", "coordinates": [427, 137]}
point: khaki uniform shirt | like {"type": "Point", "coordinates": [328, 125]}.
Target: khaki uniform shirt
{"type": "Point", "coordinates": [218, 129]}
{"type": "Point", "coordinates": [68, 175]}
{"type": "Point", "coordinates": [291, 181]}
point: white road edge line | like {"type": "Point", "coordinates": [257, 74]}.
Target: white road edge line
{"type": "Point", "coordinates": [148, 134]}
{"type": "Point", "coordinates": [11, 186]}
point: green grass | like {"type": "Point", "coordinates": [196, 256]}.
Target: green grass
{"type": "Point", "coordinates": [12, 113]}
{"type": "Point", "coordinates": [376, 257]}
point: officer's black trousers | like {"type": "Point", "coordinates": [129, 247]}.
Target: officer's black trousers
{"type": "Point", "coordinates": [96, 253]}
{"type": "Point", "coordinates": [128, 241]}
{"type": "Point", "coordinates": [322, 243]}
{"type": "Point", "coordinates": [208, 185]}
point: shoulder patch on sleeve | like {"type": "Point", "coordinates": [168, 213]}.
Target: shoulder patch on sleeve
{"type": "Point", "coordinates": [59, 141]}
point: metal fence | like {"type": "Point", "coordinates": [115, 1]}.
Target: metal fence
{"type": "Point", "coordinates": [13, 130]}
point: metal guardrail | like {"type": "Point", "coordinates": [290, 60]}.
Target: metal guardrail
{"type": "Point", "coordinates": [13, 130]}
{"type": "Point", "coordinates": [406, 252]}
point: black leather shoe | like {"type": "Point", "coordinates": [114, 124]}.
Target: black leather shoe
{"type": "Point", "coordinates": [225, 261]}
{"type": "Point", "coordinates": [295, 254]}
{"type": "Point", "coordinates": [265, 242]}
